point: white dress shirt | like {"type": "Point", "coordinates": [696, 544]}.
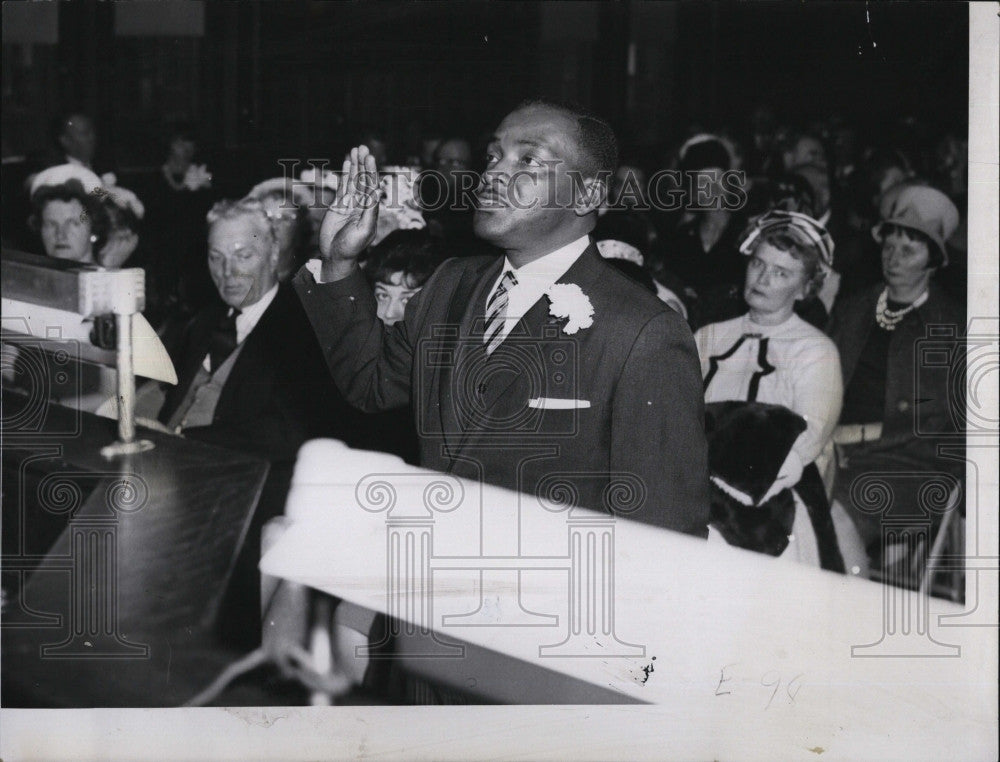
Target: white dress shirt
{"type": "Point", "coordinates": [247, 320]}
{"type": "Point", "coordinates": [534, 279]}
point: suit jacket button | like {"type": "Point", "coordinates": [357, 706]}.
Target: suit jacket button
{"type": "Point", "coordinates": [902, 406]}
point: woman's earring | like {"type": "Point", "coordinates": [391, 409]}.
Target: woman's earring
{"type": "Point", "coordinates": [93, 239]}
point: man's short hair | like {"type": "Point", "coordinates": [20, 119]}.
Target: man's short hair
{"type": "Point", "coordinates": [59, 122]}
{"type": "Point", "coordinates": [595, 137]}
{"type": "Point", "coordinates": [248, 208]}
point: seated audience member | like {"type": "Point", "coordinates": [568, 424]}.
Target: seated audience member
{"type": "Point", "coordinates": [628, 197]}
{"type": "Point", "coordinates": [786, 193]}
{"type": "Point", "coordinates": [109, 214]}
{"type": "Point", "coordinates": [885, 427]}
{"type": "Point", "coordinates": [816, 310]}
{"type": "Point", "coordinates": [177, 198]}
{"type": "Point", "coordinates": [843, 140]}
{"type": "Point", "coordinates": [397, 268]}
{"type": "Point", "coordinates": [75, 140]}
{"type": "Point", "coordinates": [287, 207]}
{"type": "Point", "coordinates": [798, 148]}
{"type": "Point", "coordinates": [445, 195]}
{"type": "Point", "coordinates": [702, 250]}
{"type": "Point", "coordinates": [818, 178]}
{"type": "Point", "coordinates": [770, 355]}
{"type": "Point", "coordinates": [321, 187]}
{"type": "Point", "coordinates": [453, 155]}
{"type": "Point", "coordinates": [376, 141]}
{"type": "Point", "coordinates": [623, 237]}
{"type": "Point", "coordinates": [72, 224]}
{"type": "Point", "coordinates": [251, 376]}
{"type": "Point", "coordinates": [858, 255]}
{"type": "Point", "coordinates": [629, 188]}
{"type": "Point", "coordinates": [632, 269]}
{"type": "Point", "coordinates": [68, 215]}
{"type": "Point", "coordinates": [246, 371]}
{"type": "Point", "coordinates": [399, 206]}
{"type": "Point", "coordinates": [81, 220]}
{"type": "Point", "coordinates": [951, 175]}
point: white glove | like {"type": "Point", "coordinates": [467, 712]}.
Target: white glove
{"type": "Point", "coordinates": [788, 476]}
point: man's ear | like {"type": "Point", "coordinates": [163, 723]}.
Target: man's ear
{"type": "Point", "coordinates": [591, 193]}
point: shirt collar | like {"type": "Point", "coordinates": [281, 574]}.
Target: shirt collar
{"type": "Point", "coordinates": [251, 314]}
{"type": "Point", "coordinates": [551, 267]}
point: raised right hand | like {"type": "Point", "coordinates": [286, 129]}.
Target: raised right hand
{"type": "Point", "coordinates": [351, 221]}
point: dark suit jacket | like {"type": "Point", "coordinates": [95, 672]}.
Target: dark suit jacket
{"type": "Point", "coordinates": [278, 394]}
{"type": "Point", "coordinates": [639, 448]}
{"type": "Point", "coordinates": [935, 410]}
{"type": "Point", "coordinates": [922, 412]}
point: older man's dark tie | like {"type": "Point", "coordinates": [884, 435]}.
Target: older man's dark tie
{"type": "Point", "coordinates": [496, 311]}
{"type": "Point", "coordinates": [223, 339]}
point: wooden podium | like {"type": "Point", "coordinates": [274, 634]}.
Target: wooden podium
{"type": "Point", "coordinates": [113, 569]}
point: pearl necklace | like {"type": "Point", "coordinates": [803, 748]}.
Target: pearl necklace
{"type": "Point", "coordinates": [888, 319]}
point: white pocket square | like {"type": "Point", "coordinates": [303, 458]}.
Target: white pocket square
{"type": "Point", "coordinates": [557, 403]}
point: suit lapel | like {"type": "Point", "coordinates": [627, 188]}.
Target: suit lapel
{"type": "Point", "coordinates": [459, 337]}
{"type": "Point", "coordinates": [584, 273]}
{"type": "Point", "coordinates": [252, 362]}
{"type": "Point", "coordinates": [189, 361]}
{"type": "Point", "coordinates": [534, 325]}
{"type": "Point", "coordinates": [201, 337]}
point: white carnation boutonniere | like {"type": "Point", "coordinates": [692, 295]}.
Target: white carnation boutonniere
{"type": "Point", "coordinates": [567, 300]}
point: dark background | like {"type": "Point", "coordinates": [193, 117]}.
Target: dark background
{"type": "Point", "coordinates": [296, 78]}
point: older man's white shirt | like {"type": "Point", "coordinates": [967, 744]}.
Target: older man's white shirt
{"type": "Point", "coordinates": [247, 320]}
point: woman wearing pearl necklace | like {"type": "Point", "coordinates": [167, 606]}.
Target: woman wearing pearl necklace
{"type": "Point", "coordinates": [897, 406]}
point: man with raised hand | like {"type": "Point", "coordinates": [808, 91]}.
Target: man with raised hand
{"type": "Point", "coordinates": [544, 370]}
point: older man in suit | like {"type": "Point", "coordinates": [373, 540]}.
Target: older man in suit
{"type": "Point", "coordinates": [251, 378]}
{"type": "Point", "coordinates": [545, 370]}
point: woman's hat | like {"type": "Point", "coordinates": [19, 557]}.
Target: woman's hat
{"type": "Point", "coordinates": [612, 249]}
{"type": "Point", "coordinates": [803, 224]}
{"type": "Point", "coordinates": [295, 191]}
{"type": "Point", "coordinates": [100, 187]}
{"type": "Point", "coordinates": [921, 208]}
{"type": "Point", "coordinates": [63, 173]}
{"type": "Point", "coordinates": [704, 152]}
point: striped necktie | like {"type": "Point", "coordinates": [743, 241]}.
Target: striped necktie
{"type": "Point", "coordinates": [496, 312]}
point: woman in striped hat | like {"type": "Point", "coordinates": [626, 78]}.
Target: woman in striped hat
{"type": "Point", "coordinates": [770, 355]}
